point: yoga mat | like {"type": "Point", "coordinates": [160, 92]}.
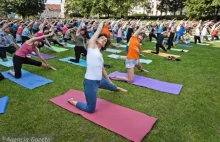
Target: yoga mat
{"type": "Point", "coordinates": [81, 63]}
{"type": "Point", "coordinates": [28, 80]}
{"type": "Point", "coordinates": [114, 56]}
{"type": "Point", "coordinates": [175, 49]}
{"type": "Point", "coordinates": [185, 45]}
{"type": "Point", "coordinates": [58, 49]}
{"type": "Point", "coordinates": [70, 45]}
{"type": "Point", "coordinates": [3, 104]}
{"type": "Point", "coordinates": [46, 56]}
{"type": "Point", "coordinates": [152, 83]}
{"type": "Point", "coordinates": [180, 50]}
{"type": "Point", "coordinates": [9, 63]}
{"type": "Point", "coordinates": [161, 54]}
{"type": "Point", "coordinates": [123, 46]}
{"type": "Point", "coordinates": [203, 44]}
{"type": "Point", "coordinates": [128, 123]}
{"type": "Point", "coordinates": [113, 50]}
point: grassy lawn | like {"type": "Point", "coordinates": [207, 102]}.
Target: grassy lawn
{"type": "Point", "coordinates": [194, 115]}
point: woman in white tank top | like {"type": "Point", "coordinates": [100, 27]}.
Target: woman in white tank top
{"type": "Point", "coordinates": [94, 71]}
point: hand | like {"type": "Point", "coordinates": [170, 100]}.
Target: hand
{"type": "Point", "coordinates": [143, 70]}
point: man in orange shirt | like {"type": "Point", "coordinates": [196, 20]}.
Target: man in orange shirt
{"type": "Point", "coordinates": [132, 59]}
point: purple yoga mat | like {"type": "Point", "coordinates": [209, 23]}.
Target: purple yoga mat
{"type": "Point", "coordinates": [152, 83]}
{"type": "Point", "coordinates": [46, 56]}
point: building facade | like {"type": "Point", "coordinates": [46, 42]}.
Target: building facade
{"type": "Point", "coordinates": [52, 11]}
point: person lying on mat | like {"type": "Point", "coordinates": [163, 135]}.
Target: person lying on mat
{"type": "Point", "coordinates": [7, 43]}
{"type": "Point", "coordinates": [20, 57]}
{"type": "Point", "coordinates": [160, 43]}
{"type": "Point", "coordinates": [94, 71]}
{"type": "Point", "coordinates": [132, 59]}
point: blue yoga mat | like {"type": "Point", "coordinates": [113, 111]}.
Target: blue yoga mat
{"type": "Point", "coordinates": [123, 46]}
{"type": "Point", "coordinates": [3, 104]}
{"type": "Point", "coordinates": [81, 63]}
{"type": "Point", "coordinates": [70, 45]}
{"type": "Point", "coordinates": [9, 63]}
{"type": "Point", "coordinates": [28, 80]}
{"type": "Point", "coordinates": [184, 45]}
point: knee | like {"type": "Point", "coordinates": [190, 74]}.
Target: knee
{"type": "Point", "coordinates": [91, 110]}
{"type": "Point", "coordinates": [17, 76]}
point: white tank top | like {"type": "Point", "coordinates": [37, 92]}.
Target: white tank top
{"type": "Point", "coordinates": [94, 64]}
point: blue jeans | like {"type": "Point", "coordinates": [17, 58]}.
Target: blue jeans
{"type": "Point", "coordinates": [105, 84]}
{"type": "Point", "coordinates": [90, 90]}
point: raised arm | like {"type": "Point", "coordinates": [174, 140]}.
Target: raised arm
{"type": "Point", "coordinates": [96, 35]}
{"type": "Point", "coordinates": [6, 26]}
{"type": "Point", "coordinates": [139, 30]}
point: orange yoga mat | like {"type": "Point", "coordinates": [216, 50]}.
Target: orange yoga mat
{"type": "Point", "coordinates": [161, 54]}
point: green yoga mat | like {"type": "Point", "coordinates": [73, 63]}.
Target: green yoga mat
{"type": "Point", "coordinates": [59, 49]}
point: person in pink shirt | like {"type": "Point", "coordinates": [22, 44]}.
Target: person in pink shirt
{"type": "Point", "coordinates": [19, 32]}
{"type": "Point", "coordinates": [119, 35]}
{"type": "Point", "coordinates": [65, 28]}
{"type": "Point", "coordinates": [20, 57]}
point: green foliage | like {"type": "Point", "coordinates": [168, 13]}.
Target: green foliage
{"type": "Point", "coordinates": [202, 8]}
{"type": "Point", "coordinates": [23, 7]}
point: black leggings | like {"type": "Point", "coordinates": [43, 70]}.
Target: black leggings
{"type": "Point", "coordinates": [3, 50]}
{"type": "Point", "coordinates": [18, 61]}
{"type": "Point", "coordinates": [213, 37]}
{"type": "Point", "coordinates": [152, 35]}
{"type": "Point", "coordinates": [78, 51]}
{"type": "Point", "coordinates": [158, 46]}
{"type": "Point", "coordinates": [170, 44]}
{"type": "Point", "coordinates": [23, 39]}
{"type": "Point", "coordinates": [197, 38]}
{"type": "Point", "coordinates": [56, 42]}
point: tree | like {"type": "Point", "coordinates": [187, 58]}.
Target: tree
{"type": "Point", "coordinates": [24, 7]}
{"type": "Point", "coordinates": [202, 8]}
{"type": "Point", "coordinates": [174, 6]}
{"type": "Point", "coordinates": [163, 6]}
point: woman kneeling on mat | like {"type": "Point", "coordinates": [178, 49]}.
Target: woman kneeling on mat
{"type": "Point", "coordinates": [94, 71]}
{"type": "Point", "coordinates": [132, 59]}
{"type": "Point", "coordinates": [20, 57]}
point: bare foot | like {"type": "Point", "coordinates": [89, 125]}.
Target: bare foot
{"type": "Point", "coordinates": [122, 90]}
{"type": "Point", "coordinates": [11, 73]}
{"type": "Point", "coordinates": [72, 101]}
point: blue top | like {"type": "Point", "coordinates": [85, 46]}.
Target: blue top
{"type": "Point", "coordinates": [26, 32]}
{"type": "Point", "coordinates": [160, 30]}
{"type": "Point", "coordinates": [14, 28]}
{"type": "Point", "coordinates": [181, 31]}
{"type": "Point", "coordinates": [35, 26]}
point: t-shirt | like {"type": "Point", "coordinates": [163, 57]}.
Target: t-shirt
{"type": "Point", "coordinates": [39, 34]}
{"type": "Point", "coordinates": [35, 26]}
{"type": "Point", "coordinates": [65, 29]}
{"type": "Point", "coordinates": [106, 31]}
{"type": "Point", "coordinates": [197, 32]}
{"type": "Point", "coordinates": [181, 31]}
{"type": "Point", "coordinates": [160, 39]}
{"type": "Point", "coordinates": [119, 32]}
{"type": "Point", "coordinates": [215, 32]}
{"type": "Point", "coordinates": [26, 32]}
{"type": "Point", "coordinates": [133, 49]}
{"type": "Point", "coordinates": [5, 40]}
{"type": "Point", "coordinates": [67, 34]}
{"type": "Point", "coordinates": [24, 50]}
{"type": "Point", "coordinates": [14, 28]}
{"type": "Point", "coordinates": [160, 30]}
{"type": "Point", "coordinates": [94, 64]}
{"type": "Point", "coordinates": [20, 30]}
{"type": "Point", "coordinates": [80, 40]}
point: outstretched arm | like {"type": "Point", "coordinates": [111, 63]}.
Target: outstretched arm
{"type": "Point", "coordinates": [96, 35]}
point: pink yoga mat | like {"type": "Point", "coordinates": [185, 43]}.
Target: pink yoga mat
{"type": "Point", "coordinates": [128, 123]}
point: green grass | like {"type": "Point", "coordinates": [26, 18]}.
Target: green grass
{"type": "Point", "coordinates": [194, 115]}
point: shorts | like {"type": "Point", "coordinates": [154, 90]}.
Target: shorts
{"type": "Point", "coordinates": [131, 63]}
{"type": "Point", "coordinates": [119, 39]}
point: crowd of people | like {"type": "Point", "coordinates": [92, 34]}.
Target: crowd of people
{"type": "Point", "coordinates": [91, 36]}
